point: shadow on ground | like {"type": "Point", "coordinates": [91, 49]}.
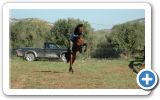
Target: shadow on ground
{"type": "Point", "coordinates": [48, 71]}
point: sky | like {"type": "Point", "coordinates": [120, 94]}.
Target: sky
{"type": "Point", "coordinates": [98, 18]}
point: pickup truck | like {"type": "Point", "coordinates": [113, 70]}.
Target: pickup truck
{"type": "Point", "coordinates": [50, 50]}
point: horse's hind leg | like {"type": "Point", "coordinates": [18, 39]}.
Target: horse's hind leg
{"type": "Point", "coordinates": [70, 68]}
{"type": "Point", "coordinates": [71, 63]}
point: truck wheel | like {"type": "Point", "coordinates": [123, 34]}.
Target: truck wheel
{"type": "Point", "coordinates": [30, 57]}
{"type": "Point", "coordinates": [63, 57]}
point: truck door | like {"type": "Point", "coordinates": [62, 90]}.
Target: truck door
{"type": "Point", "coordinates": [51, 51]}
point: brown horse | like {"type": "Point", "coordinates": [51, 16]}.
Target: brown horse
{"type": "Point", "coordinates": [78, 45]}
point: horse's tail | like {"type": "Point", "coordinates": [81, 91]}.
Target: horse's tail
{"type": "Point", "coordinates": [67, 55]}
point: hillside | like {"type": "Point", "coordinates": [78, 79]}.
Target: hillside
{"type": "Point", "coordinates": [141, 20]}
{"type": "Point", "coordinates": [12, 21]}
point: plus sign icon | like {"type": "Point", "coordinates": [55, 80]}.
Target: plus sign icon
{"type": "Point", "coordinates": [147, 79]}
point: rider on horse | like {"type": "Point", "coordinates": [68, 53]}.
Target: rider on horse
{"type": "Point", "coordinates": [76, 44]}
{"type": "Point", "coordinates": [79, 31]}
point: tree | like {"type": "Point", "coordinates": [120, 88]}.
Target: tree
{"type": "Point", "coordinates": [63, 28]}
{"type": "Point", "coordinates": [29, 33]}
{"type": "Point", "coordinates": [129, 37]}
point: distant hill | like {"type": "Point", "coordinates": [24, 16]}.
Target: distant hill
{"type": "Point", "coordinates": [101, 34]}
{"type": "Point", "coordinates": [141, 20]}
{"type": "Point", "coordinates": [14, 20]}
{"type": "Point", "coordinates": [103, 30]}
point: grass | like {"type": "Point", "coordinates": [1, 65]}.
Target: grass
{"type": "Point", "coordinates": [89, 74]}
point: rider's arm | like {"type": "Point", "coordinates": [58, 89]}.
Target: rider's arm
{"type": "Point", "coordinates": [75, 35]}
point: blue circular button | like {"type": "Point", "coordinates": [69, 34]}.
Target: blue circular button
{"type": "Point", "coordinates": [147, 79]}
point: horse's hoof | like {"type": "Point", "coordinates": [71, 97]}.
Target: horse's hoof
{"type": "Point", "coordinates": [71, 70]}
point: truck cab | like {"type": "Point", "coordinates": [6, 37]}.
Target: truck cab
{"type": "Point", "coordinates": [49, 50]}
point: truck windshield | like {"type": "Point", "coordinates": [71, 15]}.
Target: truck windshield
{"type": "Point", "coordinates": [50, 46]}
